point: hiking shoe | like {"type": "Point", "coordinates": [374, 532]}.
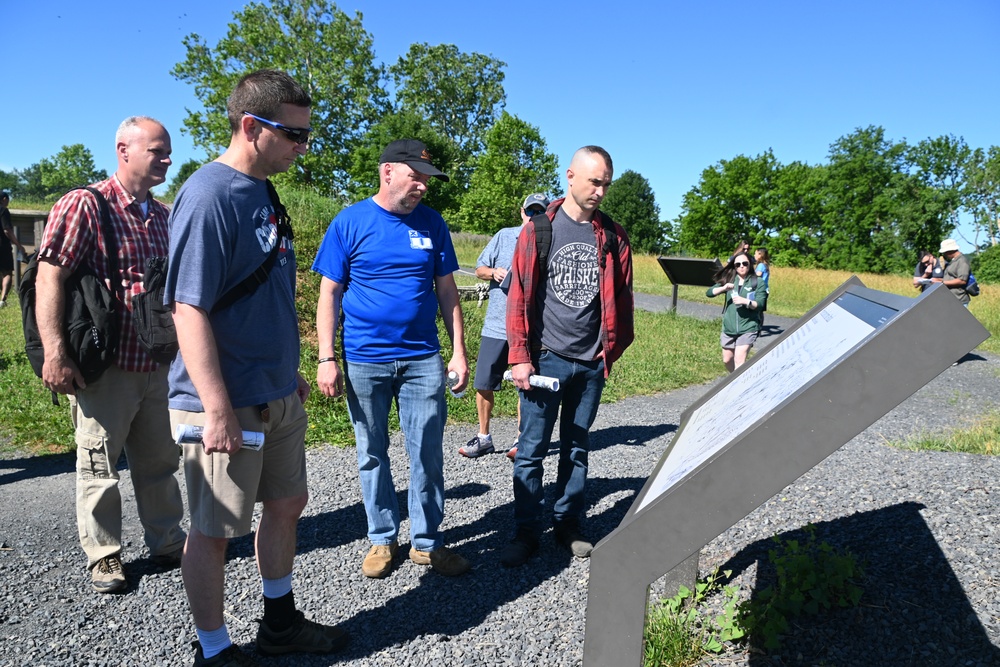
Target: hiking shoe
{"type": "Point", "coordinates": [304, 636]}
{"type": "Point", "coordinates": [512, 452]}
{"type": "Point", "coordinates": [231, 657]}
{"type": "Point", "coordinates": [442, 560]}
{"type": "Point", "coordinates": [108, 575]}
{"type": "Point", "coordinates": [517, 552]}
{"type": "Point", "coordinates": [567, 534]}
{"type": "Point", "coordinates": [170, 560]}
{"type": "Point", "coordinates": [476, 447]}
{"type": "Point", "coordinates": [378, 562]}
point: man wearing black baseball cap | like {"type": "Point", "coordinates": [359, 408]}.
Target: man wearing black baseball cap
{"type": "Point", "coordinates": [387, 262]}
{"type": "Point", "coordinates": [414, 154]}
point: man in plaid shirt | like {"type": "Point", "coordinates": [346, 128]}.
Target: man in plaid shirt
{"type": "Point", "coordinates": [126, 408]}
{"type": "Point", "coordinates": [569, 319]}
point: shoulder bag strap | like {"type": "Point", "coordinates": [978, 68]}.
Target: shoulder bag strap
{"type": "Point", "coordinates": [260, 275]}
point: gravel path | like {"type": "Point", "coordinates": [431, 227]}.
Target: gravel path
{"type": "Point", "coordinates": [925, 524]}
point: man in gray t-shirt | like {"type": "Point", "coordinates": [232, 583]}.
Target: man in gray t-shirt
{"type": "Point", "coordinates": [569, 317]}
{"type": "Point", "coordinates": [492, 265]}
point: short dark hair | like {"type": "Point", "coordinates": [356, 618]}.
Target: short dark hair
{"type": "Point", "coordinates": [4, 195]}
{"type": "Point", "coordinates": [262, 93]}
{"type": "Point", "coordinates": [591, 150]}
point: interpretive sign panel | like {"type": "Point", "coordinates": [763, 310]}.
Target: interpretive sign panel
{"type": "Point", "coordinates": [688, 271]}
{"type": "Point", "coordinates": [841, 367]}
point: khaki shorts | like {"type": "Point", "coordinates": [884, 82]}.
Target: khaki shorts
{"type": "Point", "coordinates": [729, 342]}
{"type": "Point", "coordinates": [222, 488]}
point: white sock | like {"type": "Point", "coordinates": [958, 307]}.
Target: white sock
{"type": "Point", "coordinates": [485, 438]}
{"type": "Point", "coordinates": [213, 642]}
{"type": "Point", "coordinates": [276, 588]}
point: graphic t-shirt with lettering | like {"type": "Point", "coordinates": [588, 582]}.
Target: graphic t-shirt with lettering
{"type": "Point", "coordinates": [569, 304]}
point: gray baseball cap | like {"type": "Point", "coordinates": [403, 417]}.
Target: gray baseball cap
{"type": "Point", "coordinates": [536, 199]}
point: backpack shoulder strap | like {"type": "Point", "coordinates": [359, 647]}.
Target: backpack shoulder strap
{"type": "Point", "coordinates": [610, 238]}
{"type": "Point", "coordinates": [543, 239]}
{"type": "Point", "coordinates": [110, 241]}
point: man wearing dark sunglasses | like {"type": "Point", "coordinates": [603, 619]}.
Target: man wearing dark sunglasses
{"type": "Point", "coordinates": [492, 265]}
{"type": "Point", "coordinates": [231, 376]}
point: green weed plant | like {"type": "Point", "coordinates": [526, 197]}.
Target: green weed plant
{"type": "Point", "coordinates": [679, 633]}
{"type": "Point", "coordinates": [811, 578]}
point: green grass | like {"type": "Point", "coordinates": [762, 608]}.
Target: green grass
{"type": "Point", "coordinates": [983, 437]}
{"type": "Point", "coordinates": [28, 420]}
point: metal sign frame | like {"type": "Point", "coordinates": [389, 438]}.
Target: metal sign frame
{"type": "Point", "coordinates": [669, 528]}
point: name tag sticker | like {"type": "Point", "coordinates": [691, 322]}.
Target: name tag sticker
{"type": "Point", "coordinates": [420, 240]}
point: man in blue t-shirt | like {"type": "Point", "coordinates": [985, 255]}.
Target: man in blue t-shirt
{"type": "Point", "coordinates": [388, 263]}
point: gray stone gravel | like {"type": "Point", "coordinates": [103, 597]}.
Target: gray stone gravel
{"type": "Point", "coordinates": [925, 525]}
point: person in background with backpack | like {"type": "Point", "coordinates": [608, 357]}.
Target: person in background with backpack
{"type": "Point", "coordinates": [741, 314]}
{"type": "Point", "coordinates": [763, 271]}
{"type": "Point", "coordinates": [126, 407]}
{"type": "Point", "coordinates": [569, 316]}
{"type": "Point", "coordinates": [956, 271]}
{"type": "Point", "coordinates": [493, 265]}
{"type": "Point", "coordinates": [8, 239]}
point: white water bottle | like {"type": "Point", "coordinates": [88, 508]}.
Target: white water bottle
{"type": "Point", "coordinates": [452, 381]}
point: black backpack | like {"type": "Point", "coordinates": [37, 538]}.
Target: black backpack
{"type": "Point", "coordinates": [90, 317]}
{"type": "Point", "coordinates": [154, 322]}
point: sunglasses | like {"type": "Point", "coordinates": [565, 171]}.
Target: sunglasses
{"type": "Point", "coordinates": [299, 135]}
{"type": "Point", "coordinates": [741, 263]}
{"type": "Point", "coordinates": [534, 211]}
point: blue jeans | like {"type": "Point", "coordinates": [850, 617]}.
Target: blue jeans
{"type": "Point", "coordinates": [580, 387]}
{"type": "Point", "coordinates": [417, 385]}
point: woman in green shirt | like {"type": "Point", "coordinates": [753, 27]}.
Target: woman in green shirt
{"type": "Point", "coordinates": [741, 314]}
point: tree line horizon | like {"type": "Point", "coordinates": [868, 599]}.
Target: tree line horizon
{"type": "Point", "coordinates": [871, 207]}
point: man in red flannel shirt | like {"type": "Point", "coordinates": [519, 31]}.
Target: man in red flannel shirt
{"type": "Point", "coordinates": [126, 408]}
{"type": "Point", "coordinates": [570, 319]}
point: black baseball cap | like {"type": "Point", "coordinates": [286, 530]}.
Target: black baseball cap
{"type": "Point", "coordinates": [414, 154]}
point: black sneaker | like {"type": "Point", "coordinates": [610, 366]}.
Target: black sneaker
{"type": "Point", "coordinates": [517, 552]}
{"type": "Point", "coordinates": [567, 534]}
{"type": "Point", "coordinates": [231, 657]}
{"type": "Point", "coordinates": [476, 447]}
{"type": "Point", "coordinates": [304, 636]}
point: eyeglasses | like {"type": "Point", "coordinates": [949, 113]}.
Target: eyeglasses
{"type": "Point", "coordinates": [299, 135]}
{"type": "Point", "coordinates": [534, 211]}
{"type": "Point", "coordinates": [741, 263]}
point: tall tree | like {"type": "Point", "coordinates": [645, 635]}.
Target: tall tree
{"type": "Point", "coordinates": [733, 200]}
{"type": "Point", "coordinates": [72, 166]}
{"type": "Point", "coordinates": [363, 169]}
{"type": "Point", "coordinates": [866, 184]}
{"type": "Point", "coordinates": [982, 193]}
{"type": "Point", "coordinates": [180, 175]}
{"type": "Point", "coordinates": [9, 181]}
{"type": "Point", "coordinates": [461, 94]}
{"type": "Point", "coordinates": [328, 52]}
{"type": "Point", "coordinates": [514, 164]}
{"type": "Point", "coordinates": [631, 203]}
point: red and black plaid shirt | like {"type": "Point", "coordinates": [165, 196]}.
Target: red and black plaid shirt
{"type": "Point", "coordinates": [73, 236]}
{"type": "Point", "coordinates": [615, 289]}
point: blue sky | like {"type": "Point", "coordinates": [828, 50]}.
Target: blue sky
{"type": "Point", "coordinates": [669, 88]}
